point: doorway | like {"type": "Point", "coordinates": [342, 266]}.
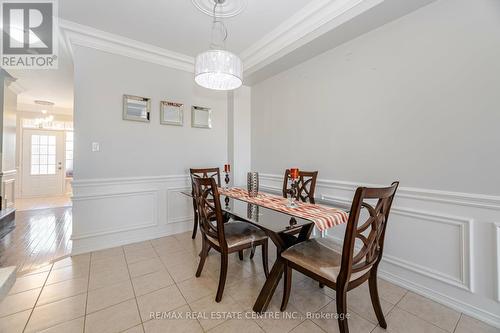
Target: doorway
{"type": "Point", "coordinates": [45, 163]}
{"type": "Point", "coordinates": [42, 160]}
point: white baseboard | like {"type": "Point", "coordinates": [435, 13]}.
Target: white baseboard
{"type": "Point", "coordinates": [110, 241]}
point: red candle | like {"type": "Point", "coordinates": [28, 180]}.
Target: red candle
{"type": "Point", "coordinates": [294, 173]}
{"type": "Point", "coordinates": [227, 168]}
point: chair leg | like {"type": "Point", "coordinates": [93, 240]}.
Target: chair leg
{"type": "Point", "coordinates": [252, 252]}
{"type": "Point", "coordinates": [372, 282]}
{"type": "Point", "coordinates": [342, 311]}
{"type": "Point", "coordinates": [265, 263]}
{"type": "Point", "coordinates": [222, 277]}
{"type": "Point", "coordinates": [240, 254]}
{"type": "Point", "coordinates": [287, 286]}
{"type": "Point", "coordinates": [205, 247]}
{"type": "Point", "coordinates": [195, 225]}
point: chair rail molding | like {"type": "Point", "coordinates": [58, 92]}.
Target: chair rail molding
{"type": "Point", "coordinates": [82, 35]}
{"type": "Point", "coordinates": [89, 183]}
{"type": "Point", "coordinates": [446, 197]}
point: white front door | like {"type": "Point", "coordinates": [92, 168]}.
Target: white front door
{"type": "Point", "coordinates": [42, 164]}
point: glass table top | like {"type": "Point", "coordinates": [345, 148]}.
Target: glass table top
{"type": "Point", "coordinates": [263, 217]}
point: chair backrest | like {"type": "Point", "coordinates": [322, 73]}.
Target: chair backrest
{"type": "Point", "coordinates": [203, 173]}
{"type": "Point", "coordinates": [371, 233]}
{"type": "Point", "coordinates": [306, 185]}
{"type": "Point", "coordinates": [206, 173]}
{"type": "Point", "coordinates": [206, 196]}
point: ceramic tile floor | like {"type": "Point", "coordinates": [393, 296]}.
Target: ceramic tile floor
{"type": "Point", "coordinates": [116, 290]}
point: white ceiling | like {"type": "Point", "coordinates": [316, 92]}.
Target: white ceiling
{"type": "Point", "coordinates": [177, 25]}
{"type": "Point", "coordinates": [271, 36]}
{"type": "Point", "coordinates": [49, 85]}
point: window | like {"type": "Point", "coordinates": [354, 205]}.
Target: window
{"type": "Point", "coordinates": [69, 154]}
{"type": "Point", "coordinates": [43, 155]}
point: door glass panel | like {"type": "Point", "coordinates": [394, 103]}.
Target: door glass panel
{"type": "Point", "coordinates": [43, 154]}
{"type": "Point", "coordinates": [69, 154]}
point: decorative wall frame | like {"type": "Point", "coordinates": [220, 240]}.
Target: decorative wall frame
{"type": "Point", "coordinates": [201, 117]}
{"type": "Point", "coordinates": [171, 113]}
{"type": "Point", "coordinates": [136, 108]}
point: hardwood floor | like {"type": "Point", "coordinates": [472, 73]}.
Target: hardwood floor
{"type": "Point", "coordinates": [42, 203]}
{"type": "Point", "coordinates": [40, 236]}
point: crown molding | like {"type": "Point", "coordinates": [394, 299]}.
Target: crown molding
{"type": "Point", "coordinates": [307, 24]}
{"type": "Point", "coordinates": [82, 35]}
{"type": "Point", "coordinates": [315, 19]}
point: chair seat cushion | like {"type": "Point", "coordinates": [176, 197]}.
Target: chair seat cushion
{"type": "Point", "coordinates": [239, 233]}
{"type": "Point", "coordinates": [320, 256]}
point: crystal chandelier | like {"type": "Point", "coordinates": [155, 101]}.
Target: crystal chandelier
{"type": "Point", "coordinates": [217, 68]}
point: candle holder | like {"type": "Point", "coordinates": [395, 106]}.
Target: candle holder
{"type": "Point", "coordinates": [292, 194]}
{"type": "Point", "coordinates": [226, 179]}
{"type": "Point", "coordinates": [253, 184]}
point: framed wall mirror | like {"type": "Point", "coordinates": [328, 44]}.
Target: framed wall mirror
{"type": "Point", "coordinates": [136, 108]}
{"type": "Point", "coordinates": [201, 117]}
{"type": "Point", "coordinates": [171, 113]}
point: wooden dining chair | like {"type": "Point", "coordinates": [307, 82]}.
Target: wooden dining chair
{"type": "Point", "coordinates": [345, 267]}
{"type": "Point", "coordinates": [205, 173]}
{"type": "Point", "coordinates": [306, 185]}
{"type": "Point", "coordinates": [225, 237]}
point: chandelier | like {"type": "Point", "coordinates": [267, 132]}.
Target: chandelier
{"type": "Point", "coordinates": [47, 119]}
{"type": "Point", "coordinates": [217, 68]}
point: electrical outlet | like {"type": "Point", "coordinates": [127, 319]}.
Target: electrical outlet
{"type": "Point", "coordinates": [96, 147]}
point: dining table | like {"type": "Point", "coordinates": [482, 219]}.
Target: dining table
{"type": "Point", "coordinates": [284, 226]}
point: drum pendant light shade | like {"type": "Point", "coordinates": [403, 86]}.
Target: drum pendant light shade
{"type": "Point", "coordinates": [218, 70]}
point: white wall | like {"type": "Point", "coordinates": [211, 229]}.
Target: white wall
{"type": "Point", "coordinates": [417, 101]}
{"type": "Point", "coordinates": [421, 91]}
{"type": "Point", "coordinates": [129, 191]}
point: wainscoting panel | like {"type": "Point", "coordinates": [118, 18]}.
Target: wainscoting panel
{"type": "Point", "coordinates": [113, 212]}
{"type": "Point", "coordinates": [8, 188]}
{"type": "Point", "coordinates": [438, 243]}
{"type": "Point", "coordinates": [130, 211]}
{"type": "Point", "coordinates": [180, 207]}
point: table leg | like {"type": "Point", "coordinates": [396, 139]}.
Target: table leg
{"type": "Point", "coordinates": [282, 242]}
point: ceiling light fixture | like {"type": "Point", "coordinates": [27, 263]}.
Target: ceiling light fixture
{"type": "Point", "coordinates": [44, 106]}
{"type": "Point", "coordinates": [217, 68]}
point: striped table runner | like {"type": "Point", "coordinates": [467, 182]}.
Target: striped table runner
{"type": "Point", "coordinates": [322, 216]}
